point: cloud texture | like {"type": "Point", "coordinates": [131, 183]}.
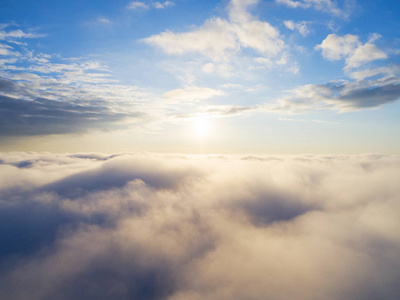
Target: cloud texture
{"type": "Point", "coordinates": [92, 226]}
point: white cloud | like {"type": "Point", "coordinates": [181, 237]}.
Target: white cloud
{"type": "Point", "coordinates": [19, 34]}
{"type": "Point", "coordinates": [322, 5]}
{"type": "Point", "coordinates": [175, 227]}
{"type": "Point", "coordinates": [219, 39]}
{"type": "Point", "coordinates": [349, 47]}
{"type": "Point", "coordinates": [214, 39]}
{"type": "Point", "coordinates": [208, 68]}
{"type": "Point", "coordinates": [231, 86]}
{"type": "Point", "coordinates": [162, 5]}
{"type": "Point", "coordinates": [301, 27]}
{"type": "Point", "coordinates": [390, 71]}
{"type": "Point", "coordinates": [134, 5]}
{"type": "Point", "coordinates": [104, 20]}
{"type": "Point", "coordinates": [363, 54]}
{"type": "Point", "coordinates": [342, 96]}
{"type": "Point", "coordinates": [192, 93]}
{"type": "Point", "coordinates": [7, 50]}
{"type": "Point", "coordinates": [336, 47]}
{"type": "Point", "coordinates": [264, 61]}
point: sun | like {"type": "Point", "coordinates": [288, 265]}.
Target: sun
{"type": "Point", "coordinates": [202, 125]}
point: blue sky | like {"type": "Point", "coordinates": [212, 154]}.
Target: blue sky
{"type": "Point", "coordinates": [278, 76]}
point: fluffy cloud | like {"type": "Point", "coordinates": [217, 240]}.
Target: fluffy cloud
{"type": "Point", "coordinates": [188, 227]}
{"type": "Point", "coordinates": [349, 47]}
{"type": "Point", "coordinates": [218, 39]}
{"type": "Point", "coordinates": [363, 54]}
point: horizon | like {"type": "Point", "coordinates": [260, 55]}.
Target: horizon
{"type": "Point", "coordinates": [197, 150]}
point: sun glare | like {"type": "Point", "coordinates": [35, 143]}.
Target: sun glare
{"type": "Point", "coordinates": [202, 125]}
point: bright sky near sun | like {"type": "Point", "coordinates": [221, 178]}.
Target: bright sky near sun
{"type": "Point", "coordinates": [273, 76]}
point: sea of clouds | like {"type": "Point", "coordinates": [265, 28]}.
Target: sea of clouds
{"type": "Point", "coordinates": [181, 227]}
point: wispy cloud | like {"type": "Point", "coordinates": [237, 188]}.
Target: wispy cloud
{"type": "Point", "coordinates": [19, 34]}
{"type": "Point", "coordinates": [192, 93]}
{"type": "Point", "coordinates": [134, 5]}
{"type": "Point", "coordinates": [342, 96]}
{"type": "Point", "coordinates": [321, 5]}
{"type": "Point", "coordinates": [301, 27]}
{"type": "Point", "coordinates": [137, 5]}
{"type": "Point", "coordinates": [162, 5]}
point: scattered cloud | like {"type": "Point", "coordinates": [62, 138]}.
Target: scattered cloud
{"type": "Point", "coordinates": [162, 5]}
{"type": "Point", "coordinates": [387, 71]}
{"type": "Point", "coordinates": [363, 54]}
{"type": "Point", "coordinates": [322, 5]}
{"type": "Point", "coordinates": [134, 5]}
{"type": "Point", "coordinates": [229, 110]}
{"type": "Point", "coordinates": [192, 93]}
{"type": "Point", "coordinates": [42, 116]}
{"type": "Point", "coordinates": [193, 227]}
{"type": "Point", "coordinates": [336, 47]}
{"type": "Point", "coordinates": [342, 96]}
{"type": "Point", "coordinates": [19, 34]}
{"type": "Point", "coordinates": [103, 20]}
{"type": "Point", "coordinates": [53, 95]}
{"type": "Point", "coordinates": [301, 27]}
{"type": "Point", "coordinates": [349, 47]}
{"type": "Point", "coordinates": [218, 39]}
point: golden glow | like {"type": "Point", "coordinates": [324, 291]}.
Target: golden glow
{"type": "Point", "coordinates": [202, 125]}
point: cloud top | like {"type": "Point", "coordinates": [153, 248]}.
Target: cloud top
{"type": "Point", "coordinates": [148, 226]}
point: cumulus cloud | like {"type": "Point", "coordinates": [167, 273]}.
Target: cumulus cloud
{"type": "Point", "coordinates": [349, 47]}
{"type": "Point", "coordinates": [218, 39]}
{"type": "Point", "coordinates": [177, 227]}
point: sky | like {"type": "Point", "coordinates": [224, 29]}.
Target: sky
{"type": "Point", "coordinates": [185, 76]}
{"type": "Point", "coordinates": [196, 150]}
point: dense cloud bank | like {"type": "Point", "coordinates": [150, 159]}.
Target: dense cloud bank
{"type": "Point", "coordinates": [147, 226]}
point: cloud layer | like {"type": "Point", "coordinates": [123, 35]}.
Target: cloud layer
{"type": "Point", "coordinates": [93, 226]}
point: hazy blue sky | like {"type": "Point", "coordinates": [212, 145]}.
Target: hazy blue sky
{"type": "Point", "coordinates": [277, 76]}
